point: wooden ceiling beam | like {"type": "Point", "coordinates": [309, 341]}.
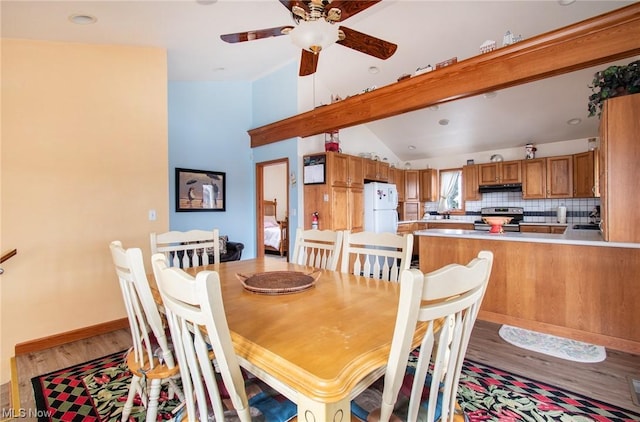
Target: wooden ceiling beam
{"type": "Point", "coordinates": [598, 40]}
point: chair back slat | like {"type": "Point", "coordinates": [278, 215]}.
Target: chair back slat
{"type": "Point", "coordinates": [317, 248]}
{"type": "Point", "coordinates": [381, 256]}
{"type": "Point", "coordinates": [187, 249]}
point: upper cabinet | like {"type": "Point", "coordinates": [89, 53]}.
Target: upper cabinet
{"type": "Point", "coordinates": [470, 181]}
{"type": "Point", "coordinates": [376, 171]}
{"type": "Point", "coordinates": [560, 176]}
{"type": "Point", "coordinates": [565, 176]}
{"type": "Point", "coordinates": [534, 178]}
{"type": "Point", "coordinates": [500, 173]}
{"type": "Point", "coordinates": [429, 185]}
{"type": "Point", "coordinates": [585, 175]}
{"type": "Point", "coordinates": [345, 170]}
{"type": "Point", "coordinates": [411, 186]}
{"type": "Point", "coordinates": [396, 177]}
{"type": "Point", "coordinates": [619, 158]}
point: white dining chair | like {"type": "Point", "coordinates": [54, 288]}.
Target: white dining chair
{"type": "Point", "coordinates": [195, 312]}
{"type": "Point", "coordinates": [150, 359]}
{"type": "Point", "coordinates": [451, 296]}
{"type": "Point", "coordinates": [187, 249]}
{"type": "Point", "coordinates": [376, 255]}
{"type": "Point", "coordinates": [318, 248]}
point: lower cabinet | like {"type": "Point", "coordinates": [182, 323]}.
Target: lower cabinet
{"type": "Point", "coordinates": [410, 211]}
{"type": "Point", "coordinates": [537, 228]}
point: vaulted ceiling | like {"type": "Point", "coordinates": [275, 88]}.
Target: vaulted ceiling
{"type": "Point", "coordinates": [426, 32]}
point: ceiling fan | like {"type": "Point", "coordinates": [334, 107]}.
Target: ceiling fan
{"type": "Point", "coordinates": [316, 29]}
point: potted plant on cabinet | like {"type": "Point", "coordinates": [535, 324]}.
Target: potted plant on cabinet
{"type": "Point", "coordinates": [613, 81]}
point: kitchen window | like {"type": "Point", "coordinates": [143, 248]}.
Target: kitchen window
{"type": "Point", "coordinates": [450, 201]}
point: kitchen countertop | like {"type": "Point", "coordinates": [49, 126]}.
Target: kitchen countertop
{"type": "Point", "coordinates": [570, 237]}
{"type": "Point", "coordinates": [472, 219]}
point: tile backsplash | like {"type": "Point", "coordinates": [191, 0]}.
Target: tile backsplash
{"type": "Point", "coordinates": [535, 210]}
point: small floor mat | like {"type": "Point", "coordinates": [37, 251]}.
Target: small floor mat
{"type": "Point", "coordinates": [559, 347]}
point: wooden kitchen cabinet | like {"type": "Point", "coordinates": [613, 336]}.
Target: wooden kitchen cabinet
{"type": "Point", "coordinates": [411, 186]}
{"type": "Point", "coordinates": [585, 175]}
{"type": "Point", "coordinates": [344, 170]}
{"type": "Point", "coordinates": [429, 185]}
{"type": "Point", "coordinates": [618, 168]}
{"type": "Point", "coordinates": [550, 177]}
{"type": "Point", "coordinates": [560, 176]}
{"type": "Point", "coordinates": [470, 183]}
{"type": "Point", "coordinates": [409, 228]}
{"type": "Point", "coordinates": [500, 172]}
{"type": "Point", "coordinates": [340, 201]}
{"type": "Point", "coordinates": [453, 226]}
{"type": "Point", "coordinates": [396, 177]}
{"type": "Point", "coordinates": [534, 178]}
{"type": "Point", "coordinates": [410, 211]}
{"type": "Point", "coordinates": [537, 228]}
{"type": "Point", "coordinates": [376, 171]}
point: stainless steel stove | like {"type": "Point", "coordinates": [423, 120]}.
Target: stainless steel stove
{"type": "Point", "coordinates": [517, 214]}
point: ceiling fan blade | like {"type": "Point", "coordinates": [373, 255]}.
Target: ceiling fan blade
{"type": "Point", "coordinates": [350, 7]}
{"type": "Point", "coordinates": [254, 35]}
{"type": "Point", "coordinates": [308, 63]}
{"type": "Point", "coordinates": [367, 44]}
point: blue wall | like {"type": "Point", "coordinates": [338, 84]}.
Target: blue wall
{"type": "Point", "coordinates": [275, 97]}
{"type": "Point", "coordinates": [208, 124]}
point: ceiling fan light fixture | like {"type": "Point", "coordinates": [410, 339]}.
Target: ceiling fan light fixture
{"type": "Point", "coordinates": [314, 35]}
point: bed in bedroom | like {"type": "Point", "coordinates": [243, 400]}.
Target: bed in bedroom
{"type": "Point", "coordinates": [276, 236]}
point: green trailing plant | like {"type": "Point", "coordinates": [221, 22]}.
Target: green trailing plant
{"type": "Point", "coordinates": [613, 81]}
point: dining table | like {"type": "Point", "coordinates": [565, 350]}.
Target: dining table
{"type": "Point", "coordinates": [320, 346]}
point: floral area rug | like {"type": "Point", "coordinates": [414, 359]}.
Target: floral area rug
{"type": "Point", "coordinates": [93, 391]}
{"type": "Point", "coordinates": [97, 390]}
{"type": "Point", "coordinates": [559, 347]}
{"type": "Point", "coordinates": [489, 394]}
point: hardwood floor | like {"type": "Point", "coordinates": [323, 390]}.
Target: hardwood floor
{"type": "Point", "coordinates": [606, 381]}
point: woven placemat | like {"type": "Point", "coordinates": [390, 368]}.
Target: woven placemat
{"type": "Point", "coordinates": [278, 282]}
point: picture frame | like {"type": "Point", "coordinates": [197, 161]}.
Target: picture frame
{"type": "Point", "coordinates": [200, 190]}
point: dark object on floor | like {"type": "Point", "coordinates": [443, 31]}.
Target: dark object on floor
{"type": "Point", "coordinates": [234, 252]}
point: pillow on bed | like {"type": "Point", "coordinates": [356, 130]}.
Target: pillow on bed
{"type": "Point", "coordinates": [270, 221]}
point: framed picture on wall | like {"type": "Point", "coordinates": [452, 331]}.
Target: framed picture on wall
{"type": "Point", "coordinates": [200, 190]}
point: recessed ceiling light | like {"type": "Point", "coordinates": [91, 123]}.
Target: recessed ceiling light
{"type": "Point", "coordinates": [82, 19]}
{"type": "Point", "coordinates": [434, 108]}
{"type": "Point", "coordinates": [219, 69]}
{"type": "Point", "coordinates": [411, 147]}
{"type": "Point", "coordinates": [373, 70]}
{"type": "Point", "coordinates": [566, 2]}
{"type": "Point", "coordinates": [490, 94]}
{"type": "Point", "coordinates": [206, 2]}
{"type": "Point", "coordinates": [574, 121]}
{"type": "Point", "coordinates": [443, 122]}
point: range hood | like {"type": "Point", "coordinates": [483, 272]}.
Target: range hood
{"type": "Point", "coordinates": [506, 187]}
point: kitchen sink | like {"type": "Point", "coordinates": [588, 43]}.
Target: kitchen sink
{"type": "Point", "coordinates": [586, 226]}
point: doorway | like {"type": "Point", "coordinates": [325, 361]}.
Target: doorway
{"type": "Point", "coordinates": [272, 198]}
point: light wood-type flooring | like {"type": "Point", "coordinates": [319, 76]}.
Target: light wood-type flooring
{"type": "Point", "coordinates": [606, 381]}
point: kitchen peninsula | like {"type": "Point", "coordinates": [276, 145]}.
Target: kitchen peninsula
{"type": "Point", "coordinates": [574, 285]}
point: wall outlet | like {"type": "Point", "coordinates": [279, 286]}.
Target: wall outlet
{"type": "Point", "coordinates": [152, 215]}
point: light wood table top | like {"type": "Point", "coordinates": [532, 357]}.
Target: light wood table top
{"type": "Point", "coordinates": [322, 345]}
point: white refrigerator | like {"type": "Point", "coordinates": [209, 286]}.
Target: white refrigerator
{"type": "Point", "coordinates": [380, 207]}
